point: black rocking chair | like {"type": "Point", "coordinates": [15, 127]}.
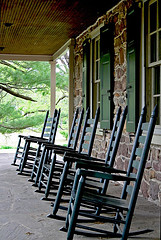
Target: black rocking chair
{"type": "Point", "coordinates": [28, 155]}
{"type": "Point", "coordinates": [21, 141]}
{"type": "Point", "coordinates": [122, 207]}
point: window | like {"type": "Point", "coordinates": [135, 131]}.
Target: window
{"type": "Point", "coordinates": [156, 91]}
{"type": "Point", "coordinates": [154, 56]}
{"type": "Point", "coordinates": [96, 74]}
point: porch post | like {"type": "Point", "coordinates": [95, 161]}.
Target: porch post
{"type": "Point", "coordinates": [71, 83]}
{"type": "Point", "coordinates": [52, 86]}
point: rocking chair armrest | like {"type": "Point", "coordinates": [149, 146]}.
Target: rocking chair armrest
{"type": "Point", "coordinates": [98, 166]}
{"type": "Point", "coordinates": [76, 155]}
{"type": "Point", "coordinates": [82, 156]}
{"type": "Point", "coordinates": [62, 150]}
{"type": "Point", "coordinates": [55, 147]}
{"type": "Point", "coordinates": [35, 139]}
{"type": "Point", "coordinates": [102, 175]}
{"type": "Point", "coordinates": [94, 165]}
{"type": "Point", "coordinates": [82, 159]}
{"type": "Point", "coordinates": [24, 136]}
{"type": "Point", "coordinates": [30, 136]}
{"type": "Point", "coordinates": [59, 149]}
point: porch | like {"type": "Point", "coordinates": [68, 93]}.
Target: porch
{"type": "Point", "coordinates": [23, 214]}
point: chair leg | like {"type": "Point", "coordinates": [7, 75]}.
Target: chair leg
{"type": "Point", "coordinates": [74, 215]}
{"type": "Point", "coordinates": [44, 159]}
{"type": "Point", "coordinates": [40, 165]}
{"type": "Point", "coordinates": [60, 189]}
{"type": "Point", "coordinates": [47, 190]}
{"type": "Point", "coordinates": [17, 150]}
{"type": "Point", "coordinates": [74, 189]}
{"type": "Point", "coordinates": [24, 157]}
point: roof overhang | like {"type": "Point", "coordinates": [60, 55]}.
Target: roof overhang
{"type": "Point", "coordinates": [38, 29]}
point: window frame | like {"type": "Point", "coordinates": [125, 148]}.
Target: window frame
{"type": "Point", "coordinates": [146, 68]}
{"type": "Point", "coordinates": [157, 62]}
{"type": "Point", "coordinates": [93, 35]}
{"type": "Point", "coordinates": [158, 95]}
{"type": "Point", "coordinates": [95, 80]}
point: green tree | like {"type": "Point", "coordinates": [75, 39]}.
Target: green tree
{"type": "Point", "coordinates": [25, 93]}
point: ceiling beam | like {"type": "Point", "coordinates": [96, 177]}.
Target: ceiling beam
{"type": "Point", "coordinates": [18, 57]}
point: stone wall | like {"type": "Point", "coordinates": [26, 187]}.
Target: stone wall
{"type": "Point", "coordinates": [151, 184]}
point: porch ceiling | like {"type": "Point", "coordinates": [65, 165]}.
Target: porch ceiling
{"type": "Point", "coordinates": [31, 27]}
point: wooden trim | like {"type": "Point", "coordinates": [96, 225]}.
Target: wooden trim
{"type": "Point", "coordinates": [18, 57]}
{"type": "Point", "coordinates": [142, 67]}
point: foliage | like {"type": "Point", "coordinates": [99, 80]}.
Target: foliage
{"type": "Point", "coordinates": [6, 147]}
{"type": "Point", "coordinates": [65, 134]}
{"type": "Point", "coordinates": [25, 94]}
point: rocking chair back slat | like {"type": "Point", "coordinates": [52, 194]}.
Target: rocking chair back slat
{"type": "Point", "coordinates": [142, 139]}
{"type": "Point", "coordinates": [129, 189]}
{"type": "Point", "coordinates": [75, 129]}
{"type": "Point", "coordinates": [88, 133]}
{"type": "Point", "coordinates": [136, 164]}
{"type": "Point", "coordinates": [138, 152]}
{"type": "Point", "coordinates": [145, 126]}
{"type": "Point", "coordinates": [54, 126]}
{"type": "Point", "coordinates": [90, 121]}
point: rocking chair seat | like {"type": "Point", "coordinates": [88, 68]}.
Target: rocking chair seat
{"type": "Point", "coordinates": [114, 202]}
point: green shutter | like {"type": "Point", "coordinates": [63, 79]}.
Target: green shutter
{"type": "Point", "coordinates": [106, 77]}
{"type": "Point", "coordinates": [133, 40]}
{"type": "Point", "coordinates": [86, 76]}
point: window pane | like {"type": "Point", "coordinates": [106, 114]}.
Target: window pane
{"type": "Point", "coordinates": [97, 49]}
{"type": "Point", "coordinates": [98, 93]}
{"type": "Point", "coordinates": [157, 80]}
{"type": "Point", "coordinates": [160, 45]}
{"type": "Point", "coordinates": [153, 16]}
{"type": "Point", "coordinates": [157, 101]}
{"type": "Point", "coordinates": [97, 71]}
{"type": "Point", "coordinates": [159, 15]}
{"type": "Point", "coordinates": [153, 48]}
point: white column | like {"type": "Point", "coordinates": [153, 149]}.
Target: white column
{"type": "Point", "coordinates": [71, 83]}
{"type": "Point", "coordinates": [52, 86]}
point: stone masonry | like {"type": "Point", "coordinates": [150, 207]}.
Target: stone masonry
{"type": "Point", "coordinates": [151, 184]}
